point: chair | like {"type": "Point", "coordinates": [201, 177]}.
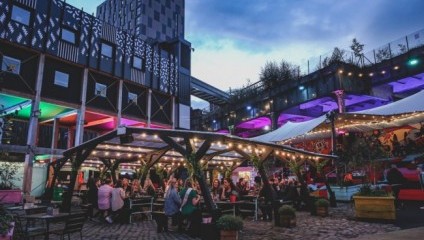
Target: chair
{"type": "Point", "coordinates": [73, 224]}
{"type": "Point", "coordinates": [141, 206]}
{"type": "Point", "coordinates": [27, 231]}
{"type": "Point", "coordinates": [249, 208]}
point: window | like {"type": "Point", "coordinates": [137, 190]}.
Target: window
{"type": "Point", "coordinates": [107, 50]}
{"type": "Point", "coordinates": [61, 79]}
{"type": "Point", "coordinates": [68, 35]}
{"type": "Point", "coordinates": [100, 90]}
{"type": "Point", "coordinates": [156, 15]}
{"type": "Point", "coordinates": [137, 62]}
{"type": "Point", "coordinates": [10, 64]}
{"type": "Point", "coordinates": [132, 97]}
{"type": "Point", "coordinates": [21, 15]}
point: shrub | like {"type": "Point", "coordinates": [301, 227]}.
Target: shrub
{"type": "Point", "coordinates": [287, 210]}
{"type": "Point", "coordinates": [322, 203]}
{"type": "Point", "coordinates": [368, 191]}
{"type": "Point", "coordinates": [229, 222]}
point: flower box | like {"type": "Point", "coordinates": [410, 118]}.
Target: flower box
{"type": "Point", "coordinates": [377, 207]}
{"type": "Point", "coordinates": [10, 196]}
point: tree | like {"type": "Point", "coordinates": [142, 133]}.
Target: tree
{"type": "Point", "coordinates": [336, 56]}
{"type": "Point", "coordinates": [270, 74]}
{"type": "Point", "coordinates": [358, 49]}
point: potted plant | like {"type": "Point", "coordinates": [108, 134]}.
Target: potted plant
{"type": "Point", "coordinates": [322, 207]}
{"type": "Point", "coordinates": [8, 193]}
{"type": "Point", "coordinates": [374, 203]}
{"type": "Point", "coordinates": [6, 224]}
{"type": "Point", "coordinates": [229, 226]}
{"type": "Point", "coordinates": [287, 216]}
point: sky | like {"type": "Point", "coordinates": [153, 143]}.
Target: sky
{"type": "Point", "coordinates": [233, 40]}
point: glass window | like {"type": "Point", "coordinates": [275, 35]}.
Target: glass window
{"type": "Point", "coordinates": [61, 79]}
{"type": "Point", "coordinates": [100, 90]}
{"type": "Point", "coordinates": [21, 15]}
{"type": "Point", "coordinates": [137, 62]}
{"type": "Point", "coordinates": [132, 97]}
{"type": "Point", "coordinates": [10, 64]}
{"type": "Point", "coordinates": [68, 35]}
{"type": "Point", "coordinates": [107, 50]}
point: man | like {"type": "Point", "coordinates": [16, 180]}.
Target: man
{"type": "Point", "coordinates": [104, 196]}
{"type": "Point", "coordinates": [396, 180]}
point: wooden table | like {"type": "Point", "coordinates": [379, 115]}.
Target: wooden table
{"type": "Point", "coordinates": [28, 210]}
{"type": "Point", "coordinates": [48, 218]}
{"type": "Point", "coordinates": [224, 204]}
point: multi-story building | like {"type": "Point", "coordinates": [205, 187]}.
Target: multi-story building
{"type": "Point", "coordinates": [67, 76]}
{"type": "Point", "coordinates": [147, 19]}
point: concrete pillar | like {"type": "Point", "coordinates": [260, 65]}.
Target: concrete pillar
{"type": "Point", "coordinates": [149, 108]}
{"type": "Point", "coordinates": [79, 133]}
{"type": "Point", "coordinates": [33, 128]}
{"type": "Point", "coordinates": [54, 137]}
{"type": "Point", "coordinates": [340, 100]}
{"type": "Point", "coordinates": [119, 104]}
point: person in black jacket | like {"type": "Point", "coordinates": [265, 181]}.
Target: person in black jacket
{"type": "Point", "coordinates": [396, 180]}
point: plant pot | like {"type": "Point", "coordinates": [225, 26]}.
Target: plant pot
{"type": "Point", "coordinates": [9, 235]}
{"type": "Point", "coordinates": [229, 235]}
{"type": "Point", "coordinates": [287, 221]}
{"type": "Point", "coordinates": [322, 211]}
{"type": "Point", "coordinates": [10, 196]}
{"type": "Point", "coordinates": [375, 207]}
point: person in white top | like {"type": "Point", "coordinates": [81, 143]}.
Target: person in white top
{"type": "Point", "coordinates": [117, 200]}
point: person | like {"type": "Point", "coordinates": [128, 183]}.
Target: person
{"type": "Point", "coordinates": [172, 202]}
{"type": "Point", "coordinates": [117, 201]}
{"type": "Point", "coordinates": [243, 187]}
{"type": "Point", "coordinates": [136, 188]}
{"type": "Point", "coordinates": [421, 178]}
{"type": "Point", "coordinates": [189, 209]}
{"type": "Point", "coordinates": [396, 180]}
{"type": "Point", "coordinates": [148, 188]}
{"type": "Point", "coordinates": [215, 190]}
{"type": "Point", "coordinates": [104, 195]}
{"type": "Point", "coordinates": [227, 189]}
{"type": "Point", "coordinates": [92, 197]}
{"type": "Point", "coordinates": [267, 195]}
{"type": "Point", "coordinates": [126, 186]}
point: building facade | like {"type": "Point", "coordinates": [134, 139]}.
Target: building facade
{"type": "Point", "coordinates": [67, 76]}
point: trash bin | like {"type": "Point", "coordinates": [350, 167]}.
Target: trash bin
{"type": "Point", "coordinates": [57, 194]}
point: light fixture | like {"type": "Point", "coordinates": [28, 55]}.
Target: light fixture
{"type": "Point", "coordinates": [413, 62]}
{"type": "Point", "coordinates": [248, 108]}
{"type": "Point", "coordinates": [301, 87]}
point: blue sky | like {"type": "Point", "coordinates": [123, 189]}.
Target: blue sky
{"type": "Point", "coordinates": [234, 39]}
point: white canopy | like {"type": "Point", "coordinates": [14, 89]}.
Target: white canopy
{"type": "Point", "coordinates": [411, 104]}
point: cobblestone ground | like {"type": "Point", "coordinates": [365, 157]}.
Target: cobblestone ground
{"type": "Point", "coordinates": [339, 225]}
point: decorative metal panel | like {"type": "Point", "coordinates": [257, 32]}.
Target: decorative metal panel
{"type": "Point", "coordinates": [129, 48]}
{"type": "Point", "coordinates": [85, 30]}
{"type": "Point", "coordinates": [137, 76]}
{"type": "Point", "coordinates": [164, 75]}
{"type": "Point", "coordinates": [40, 29]}
{"type": "Point", "coordinates": [109, 33]}
{"type": "Point", "coordinates": [75, 17]}
{"type": "Point", "coordinates": [96, 33]}
{"type": "Point", "coordinates": [67, 51]}
{"type": "Point", "coordinates": [156, 62]}
{"type": "Point", "coordinates": [18, 33]}
{"type": "Point", "coordinates": [120, 44]}
{"type": "Point", "coordinates": [149, 57]}
{"type": "Point", "coordinates": [29, 3]}
{"type": "Point", "coordinates": [4, 8]}
{"type": "Point", "coordinates": [140, 48]}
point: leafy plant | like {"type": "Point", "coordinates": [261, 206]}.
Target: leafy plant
{"type": "Point", "coordinates": [229, 222]}
{"type": "Point", "coordinates": [287, 211]}
{"type": "Point", "coordinates": [322, 203]}
{"type": "Point", "coordinates": [8, 171]}
{"type": "Point", "coordinates": [5, 221]}
{"type": "Point", "coordinates": [369, 191]}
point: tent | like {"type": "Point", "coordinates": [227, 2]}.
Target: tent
{"type": "Point", "coordinates": [405, 111]}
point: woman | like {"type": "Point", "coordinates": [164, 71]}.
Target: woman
{"type": "Point", "coordinates": [117, 200]}
{"type": "Point", "coordinates": [149, 188]}
{"type": "Point", "coordinates": [172, 202]}
{"type": "Point", "coordinates": [136, 188]}
{"type": "Point", "coordinates": [228, 189]}
{"type": "Point", "coordinates": [215, 191]}
{"type": "Point", "coordinates": [104, 195]}
{"type": "Point", "coordinates": [189, 209]}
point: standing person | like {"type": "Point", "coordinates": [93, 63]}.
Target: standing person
{"type": "Point", "coordinates": [117, 201]}
{"type": "Point", "coordinates": [148, 188]}
{"type": "Point", "coordinates": [172, 202]}
{"type": "Point", "coordinates": [92, 197]}
{"type": "Point", "coordinates": [104, 195]}
{"type": "Point", "coordinates": [189, 209]}
{"type": "Point", "coordinates": [396, 180]}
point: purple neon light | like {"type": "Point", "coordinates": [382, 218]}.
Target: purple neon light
{"type": "Point", "coordinates": [408, 84]}
{"type": "Point", "coordinates": [255, 123]}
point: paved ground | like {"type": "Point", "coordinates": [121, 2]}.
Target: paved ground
{"type": "Point", "coordinates": [339, 225]}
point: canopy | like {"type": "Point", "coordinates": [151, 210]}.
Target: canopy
{"type": "Point", "coordinates": [405, 111]}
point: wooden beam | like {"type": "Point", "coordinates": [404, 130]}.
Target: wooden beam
{"type": "Point", "coordinates": [174, 145]}
{"type": "Point", "coordinates": [202, 150]}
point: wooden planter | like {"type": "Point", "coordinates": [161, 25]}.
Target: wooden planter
{"type": "Point", "coordinates": [322, 211]}
{"type": "Point", "coordinates": [287, 221]}
{"type": "Point", "coordinates": [9, 235]}
{"type": "Point", "coordinates": [10, 196]}
{"type": "Point", "coordinates": [229, 235]}
{"type": "Point", "coordinates": [375, 207]}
